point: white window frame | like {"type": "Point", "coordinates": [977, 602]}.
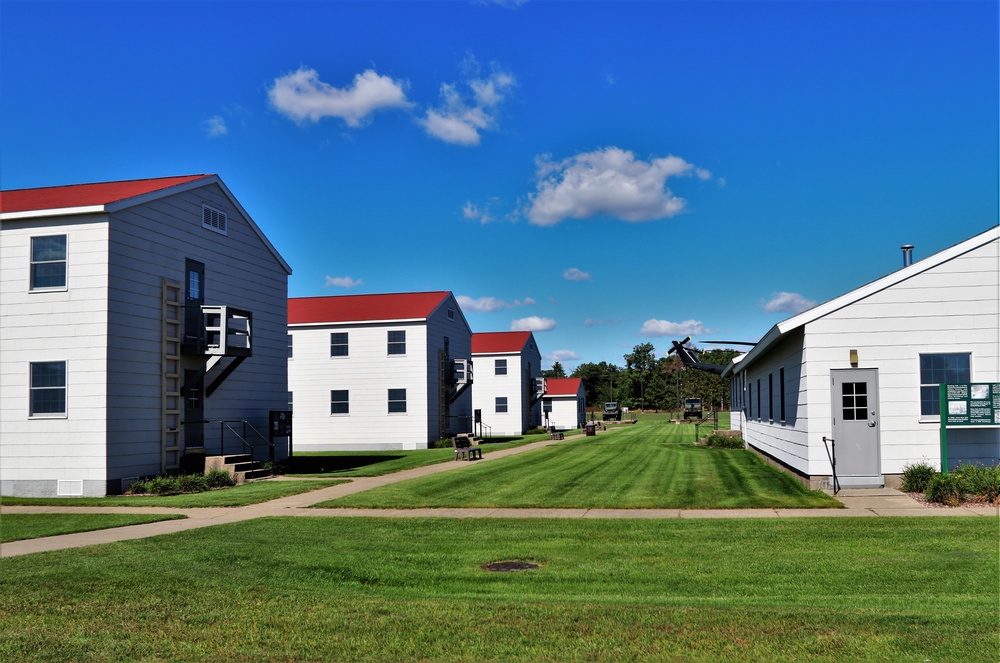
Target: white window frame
{"type": "Point", "coordinates": [499, 367]}
{"type": "Point", "coordinates": [397, 400]}
{"type": "Point", "coordinates": [920, 377]}
{"type": "Point", "coordinates": [397, 344]}
{"type": "Point", "coordinates": [501, 402]}
{"type": "Point", "coordinates": [32, 262]}
{"type": "Point", "coordinates": [32, 390]}
{"type": "Point", "coordinates": [345, 400]}
{"type": "Point", "coordinates": [346, 344]}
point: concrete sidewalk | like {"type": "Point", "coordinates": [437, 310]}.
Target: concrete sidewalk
{"type": "Point", "coordinates": [858, 502]}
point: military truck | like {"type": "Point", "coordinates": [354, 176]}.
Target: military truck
{"type": "Point", "coordinates": [612, 412]}
{"type": "Point", "coordinates": [692, 408]}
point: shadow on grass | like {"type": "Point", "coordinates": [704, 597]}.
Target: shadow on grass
{"type": "Point", "coordinates": [325, 464]}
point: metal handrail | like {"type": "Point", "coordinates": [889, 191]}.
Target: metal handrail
{"type": "Point", "coordinates": [833, 461]}
{"type": "Point", "coordinates": [224, 424]}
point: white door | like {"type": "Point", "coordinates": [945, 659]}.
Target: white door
{"type": "Point", "coordinates": [855, 427]}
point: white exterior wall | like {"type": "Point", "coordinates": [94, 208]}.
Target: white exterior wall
{"type": "Point", "coordinates": [68, 325]}
{"type": "Point", "coordinates": [568, 412]}
{"type": "Point", "coordinates": [368, 372]}
{"type": "Point", "coordinates": [953, 307]}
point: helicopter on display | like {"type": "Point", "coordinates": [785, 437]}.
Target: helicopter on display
{"type": "Point", "coordinates": [691, 356]}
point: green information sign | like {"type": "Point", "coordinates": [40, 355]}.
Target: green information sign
{"type": "Point", "coordinates": [967, 404]}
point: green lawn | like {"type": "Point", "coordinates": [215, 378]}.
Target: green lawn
{"type": "Point", "coordinates": [360, 589]}
{"type": "Point", "coordinates": [377, 463]}
{"type": "Point", "coordinates": [249, 493]}
{"type": "Point", "coordinates": [20, 526]}
{"type": "Point", "coordinates": [651, 464]}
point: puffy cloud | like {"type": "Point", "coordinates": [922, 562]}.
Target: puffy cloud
{"type": "Point", "coordinates": [533, 323]}
{"type": "Point", "coordinates": [302, 96]}
{"type": "Point", "coordinates": [654, 327]}
{"type": "Point", "coordinates": [342, 282]}
{"type": "Point", "coordinates": [574, 274]}
{"type": "Point", "coordinates": [610, 181]}
{"type": "Point", "coordinates": [215, 126]}
{"type": "Point", "coordinates": [461, 117]}
{"type": "Point", "coordinates": [561, 355]}
{"type": "Point", "coordinates": [490, 304]}
{"type": "Point", "coordinates": [787, 302]}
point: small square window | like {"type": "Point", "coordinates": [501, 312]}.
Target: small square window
{"type": "Point", "coordinates": [500, 367]}
{"type": "Point", "coordinates": [501, 404]}
{"type": "Point", "coordinates": [451, 314]}
{"type": "Point", "coordinates": [48, 262]}
{"type": "Point", "coordinates": [47, 388]}
{"type": "Point", "coordinates": [397, 400]}
{"type": "Point", "coordinates": [397, 343]}
{"type": "Point", "coordinates": [340, 401]}
{"type": "Point", "coordinates": [338, 344]}
{"type": "Point", "coordinates": [938, 369]}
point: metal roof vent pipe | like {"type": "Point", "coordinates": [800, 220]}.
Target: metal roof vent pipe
{"type": "Point", "coordinates": [907, 254]}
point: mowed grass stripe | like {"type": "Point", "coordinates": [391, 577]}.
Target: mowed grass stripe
{"type": "Point", "coordinates": [645, 465]}
{"type": "Point", "coordinates": [280, 589]}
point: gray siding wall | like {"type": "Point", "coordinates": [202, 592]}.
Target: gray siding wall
{"type": "Point", "coordinates": [149, 243]}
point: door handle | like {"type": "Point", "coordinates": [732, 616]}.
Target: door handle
{"type": "Point", "coordinates": [871, 423]}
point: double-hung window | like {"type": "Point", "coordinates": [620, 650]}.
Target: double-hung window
{"type": "Point", "coordinates": [340, 402]}
{"type": "Point", "coordinates": [48, 262]}
{"type": "Point", "coordinates": [289, 346]}
{"type": "Point", "coordinates": [397, 401]}
{"type": "Point", "coordinates": [938, 369]}
{"type": "Point", "coordinates": [338, 344]}
{"type": "Point", "coordinates": [501, 404]}
{"type": "Point", "coordinates": [500, 367]}
{"type": "Point", "coordinates": [397, 343]}
{"type": "Point", "coordinates": [47, 389]}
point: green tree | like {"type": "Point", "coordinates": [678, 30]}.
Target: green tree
{"type": "Point", "coordinates": [597, 382]}
{"type": "Point", "coordinates": [557, 371]}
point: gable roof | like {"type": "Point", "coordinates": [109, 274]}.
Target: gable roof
{"type": "Point", "coordinates": [107, 197]}
{"type": "Point", "coordinates": [563, 386]}
{"type": "Point", "coordinates": [48, 199]}
{"type": "Point", "coordinates": [777, 332]}
{"type": "Point", "coordinates": [393, 307]}
{"type": "Point", "coordinates": [497, 342]}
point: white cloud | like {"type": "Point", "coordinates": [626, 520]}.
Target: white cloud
{"type": "Point", "coordinates": [302, 96]}
{"type": "Point", "coordinates": [482, 214]}
{"type": "Point", "coordinates": [609, 181]}
{"type": "Point", "coordinates": [215, 126]}
{"type": "Point", "coordinates": [490, 304]}
{"type": "Point", "coordinates": [533, 323]}
{"type": "Point", "coordinates": [654, 327]}
{"type": "Point", "coordinates": [342, 282]}
{"type": "Point", "coordinates": [561, 355]}
{"type": "Point", "coordinates": [461, 117]}
{"type": "Point", "coordinates": [787, 302]}
{"type": "Point", "coordinates": [574, 274]}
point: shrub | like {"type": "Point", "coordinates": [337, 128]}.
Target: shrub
{"type": "Point", "coordinates": [946, 488]}
{"type": "Point", "coordinates": [443, 443]}
{"type": "Point", "coordinates": [190, 483]}
{"type": "Point", "coordinates": [219, 479]}
{"type": "Point", "coordinates": [917, 477]}
{"type": "Point", "coordinates": [724, 442]}
{"type": "Point", "coordinates": [980, 480]}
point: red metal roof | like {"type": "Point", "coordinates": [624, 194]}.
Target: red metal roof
{"type": "Point", "coordinates": [85, 195]}
{"type": "Point", "coordinates": [562, 386]}
{"type": "Point", "coordinates": [364, 308]}
{"type": "Point", "coordinates": [486, 342]}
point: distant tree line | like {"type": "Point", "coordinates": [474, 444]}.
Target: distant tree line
{"type": "Point", "coordinates": [653, 384]}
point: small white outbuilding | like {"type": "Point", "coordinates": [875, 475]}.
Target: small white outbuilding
{"type": "Point", "coordinates": [564, 406]}
{"type": "Point", "coordinates": [504, 397]}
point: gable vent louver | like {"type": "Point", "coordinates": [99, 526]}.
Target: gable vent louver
{"type": "Point", "coordinates": [213, 219]}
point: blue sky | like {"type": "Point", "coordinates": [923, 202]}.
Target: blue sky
{"type": "Point", "coordinates": [605, 174]}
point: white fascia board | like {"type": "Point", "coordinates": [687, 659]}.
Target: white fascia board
{"type": "Point", "coordinates": [62, 211]}
{"type": "Point", "coordinates": [358, 323]}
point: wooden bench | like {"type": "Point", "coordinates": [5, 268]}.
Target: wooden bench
{"type": "Point", "coordinates": [464, 448]}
